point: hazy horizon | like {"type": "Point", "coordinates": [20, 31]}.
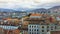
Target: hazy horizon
{"type": "Point", "coordinates": [28, 4]}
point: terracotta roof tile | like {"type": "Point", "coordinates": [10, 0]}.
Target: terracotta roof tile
{"type": "Point", "coordinates": [36, 14]}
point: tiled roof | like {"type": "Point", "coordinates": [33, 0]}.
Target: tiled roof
{"type": "Point", "coordinates": [9, 19]}
{"type": "Point", "coordinates": [36, 14]}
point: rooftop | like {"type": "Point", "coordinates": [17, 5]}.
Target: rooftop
{"type": "Point", "coordinates": [9, 27]}
{"type": "Point", "coordinates": [36, 14]}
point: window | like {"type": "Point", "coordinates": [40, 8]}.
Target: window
{"type": "Point", "coordinates": [51, 29]}
{"type": "Point", "coordinates": [30, 29]}
{"type": "Point", "coordinates": [34, 29]}
{"type": "Point", "coordinates": [30, 33]}
{"type": "Point", "coordinates": [37, 30]}
{"type": "Point", "coordinates": [42, 30]}
{"type": "Point", "coordinates": [30, 26]}
{"type": "Point", "coordinates": [47, 26]}
{"type": "Point", "coordinates": [42, 26]}
{"type": "Point", "coordinates": [37, 33]}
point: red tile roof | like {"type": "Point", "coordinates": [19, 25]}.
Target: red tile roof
{"type": "Point", "coordinates": [36, 14]}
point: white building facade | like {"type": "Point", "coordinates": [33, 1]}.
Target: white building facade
{"type": "Point", "coordinates": [33, 29]}
{"type": "Point", "coordinates": [40, 29]}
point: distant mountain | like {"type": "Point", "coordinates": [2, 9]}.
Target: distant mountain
{"type": "Point", "coordinates": [55, 9]}
{"type": "Point", "coordinates": [7, 10]}
{"type": "Point", "coordinates": [39, 10]}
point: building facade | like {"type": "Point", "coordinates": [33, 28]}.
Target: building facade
{"type": "Point", "coordinates": [40, 29]}
{"type": "Point", "coordinates": [33, 29]}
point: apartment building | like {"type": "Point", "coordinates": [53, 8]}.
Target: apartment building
{"type": "Point", "coordinates": [40, 29]}
{"type": "Point", "coordinates": [33, 29]}
{"type": "Point", "coordinates": [38, 25]}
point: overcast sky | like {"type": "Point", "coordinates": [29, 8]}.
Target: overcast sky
{"type": "Point", "coordinates": [14, 4]}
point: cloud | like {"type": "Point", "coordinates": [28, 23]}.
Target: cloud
{"type": "Point", "coordinates": [25, 3]}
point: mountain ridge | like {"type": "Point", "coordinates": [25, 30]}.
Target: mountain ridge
{"type": "Point", "coordinates": [34, 10]}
